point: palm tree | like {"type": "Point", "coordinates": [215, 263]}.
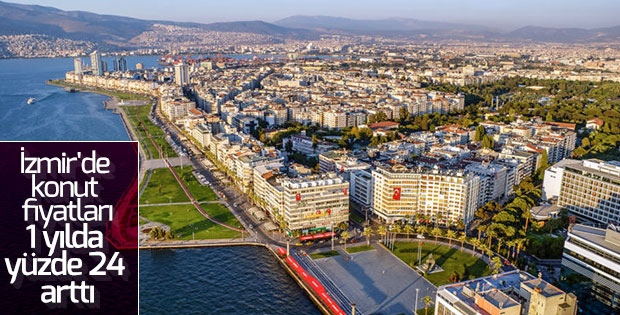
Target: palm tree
{"type": "Point", "coordinates": [409, 229]}
{"type": "Point", "coordinates": [438, 217]}
{"type": "Point", "coordinates": [418, 217]}
{"type": "Point", "coordinates": [500, 241]}
{"type": "Point", "coordinates": [511, 244]}
{"type": "Point", "coordinates": [496, 264]}
{"type": "Point", "coordinates": [427, 218]}
{"type": "Point", "coordinates": [437, 232]}
{"type": "Point", "coordinates": [476, 243]}
{"type": "Point", "coordinates": [491, 234]}
{"type": "Point", "coordinates": [481, 228]}
{"type": "Point", "coordinates": [450, 235]}
{"type": "Point", "coordinates": [527, 215]}
{"type": "Point", "coordinates": [521, 242]}
{"type": "Point", "coordinates": [422, 229]}
{"type": "Point", "coordinates": [368, 233]}
{"type": "Point", "coordinates": [460, 225]}
{"type": "Point", "coordinates": [428, 301]}
{"type": "Point", "coordinates": [382, 231]}
{"type": "Point", "coordinates": [344, 236]}
{"type": "Point", "coordinates": [462, 238]}
{"type": "Point", "coordinates": [396, 229]}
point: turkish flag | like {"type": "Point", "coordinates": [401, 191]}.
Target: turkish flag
{"type": "Point", "coordinates": [341, 169]}
{"type": "Point", "coordinates": [344, 190]}
{"type": "Point", "coordinates": [329, 211]}
{"type": "Point", "coordinates": [298, 197]}
{"type": "Point", "coordinates": [396, 195]}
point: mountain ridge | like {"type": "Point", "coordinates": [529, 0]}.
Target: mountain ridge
{"type": "Point", "coordinates": [119, 31]}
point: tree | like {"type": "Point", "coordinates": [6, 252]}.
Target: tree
{"type": "Point", "coordinates": [438, 218]}
{"type": "Point", "coordinates": [437, 232]}
{"type": "Point", "coordinates": [549, 117]}
{"type": "Point", "coordinates": [480, 133]}
{"type": "Point", "coordinates": [289, 146]}
{"type": "Point", "coordinates": [476, 243]}
{"type": "Point", "coordinates": [585, 142]}
{"type": "Point", "coordinates": [428, 301]}
{"type": "Point", "coordinates": [422, 229]}
{"type": "Point", "coordinates": [460, 225]}
{"type": "Point", "coordinates": [409, 229]}
{"type": "Point", "coordinates": [450, 235]}
{"type": "Point", "coordinates": [378, 117]}
{"type": "Point", "coordinates": [396, 229]}
{"type": "Point", "coordinates": [382, 231]}
{"type": "Point", "coordinates": [462, 238]}
{"type": "Point", "coordinates": [487, 142]}
{"type": "Point", "coordinates": [403, 114]}
{"type": "Point", "coordinates": [315, 142]}
{"type": "Point", "coordinates": [496, 264]}
{"type": "Point", "coordinates": [368, 233]}
{"type": "Point", "coordinates": [344, 236]}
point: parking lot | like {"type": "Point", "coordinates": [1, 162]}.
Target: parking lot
{"type": "Point", "coordinates": [376, 281]}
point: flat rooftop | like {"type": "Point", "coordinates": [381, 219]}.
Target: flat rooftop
{"type": "Point", "coordinates": [491, 288]}
{"type": "Point", "coordinates": [596, 236]}
{"type": "Point", "coordinates": [546, 289]}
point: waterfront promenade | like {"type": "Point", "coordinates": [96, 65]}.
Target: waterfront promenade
{"type": "Point", "coordinates": [375, 280]}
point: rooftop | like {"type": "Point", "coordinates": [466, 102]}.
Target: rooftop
{"type": "Point", "coordinates": [597, 236]}
{"type": "Point", "coordinates": [496, 289]}
{"type": "Point", "coordinates": [543, 287]}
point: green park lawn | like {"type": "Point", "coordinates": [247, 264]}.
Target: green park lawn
{"type": "Point", "coordinates": [164, 188]}
{"type": "Point", "coordinates": [359, 249]}
{"type": "Point", "coordinates": [200, 193]}
{"type": "Point", "coordinates": [185, 219]}
{"type": "Point", "coordinates": [158, 135]}
{"type": "Point", "coordinates": [450, 259]}
{"type": "Point", "coordinates": [326, 254]}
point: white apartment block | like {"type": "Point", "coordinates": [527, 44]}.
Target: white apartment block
{"type": "Point", "coordinates": [591, 190]}
{"type": "Point", "coordinates": [595, 253]}
{"type": "Point", "coordinates": [401, 192]}
{"type": "Point", "coordinates": [305, 204]}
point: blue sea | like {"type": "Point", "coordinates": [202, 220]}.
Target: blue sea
{"type": "Point", "coordinates": [57, 114]}
{"type": "Point", "coordinates": [229, 280]}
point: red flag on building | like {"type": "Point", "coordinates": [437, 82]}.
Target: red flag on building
{"type": "Point", "coordinates": [298, 197]}
{"type": "Point", "coordinates": [396, 195]}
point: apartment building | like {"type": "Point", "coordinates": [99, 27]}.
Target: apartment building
{"type": "Point", "coordinates": [305, 204]}
{"type": "Point", "coordinates": [400, 192]}
{"type": "Point", "coordinates": [591, 190]}
{"type": "Point", "coordinates": [595, 253]}
{"type": "Point", "coordinates": [509, 293]}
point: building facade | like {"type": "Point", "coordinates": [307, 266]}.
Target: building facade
{"type": "Point", "coordinates": [400, 192]}
{"type": "Point", "coordinates": [591, 190]}
{"type": "Point", "coordinates": [595, 253]}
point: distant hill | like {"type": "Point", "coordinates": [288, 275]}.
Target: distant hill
{"type": "Point", "coordinates": [566, 35]}
{"type": "Point", "coordinates": [80, 25]}
{"type": "Point", "coordinates": [24, 19]}
{"type": "Point", "coordinates": [123, 31]}
{"type": "Point", "coordinates": [330, 23]}
{"type": "Point", "coordinates": [404, 26]}
{"type": "Point", "coordinates": [260, 27]}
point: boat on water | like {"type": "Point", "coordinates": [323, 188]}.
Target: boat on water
{"type": "Point", "coordinates": [69, 89]}
{"type": "Point", "coordinates": [31, 100]}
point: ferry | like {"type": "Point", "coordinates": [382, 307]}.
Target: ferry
{"type": "Point", "coordinates": [31, 100]}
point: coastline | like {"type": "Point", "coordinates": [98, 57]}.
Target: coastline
{"type": "Point", "coordinates": [112, 103]}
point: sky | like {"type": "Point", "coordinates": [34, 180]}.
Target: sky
{"type": "Point", "coordinates": [505, 14]}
